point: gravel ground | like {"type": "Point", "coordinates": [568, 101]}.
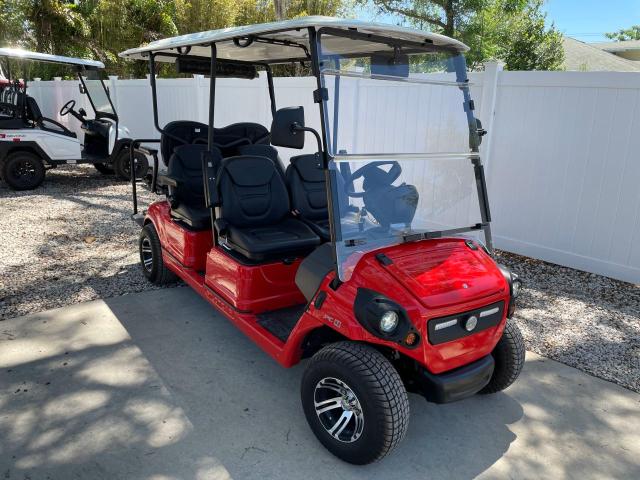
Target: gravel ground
{"type": "Point", "coordinates": [72, 241]}
{"type": "Point", "coordinates": [69, 241]}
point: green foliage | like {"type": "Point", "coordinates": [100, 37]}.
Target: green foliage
{"type": "Point", "coordinates": [624, 34]}
{"type": "Point", "coordinates": [513, 31]}
{"type": "Point", "coordinates": [100, 29]}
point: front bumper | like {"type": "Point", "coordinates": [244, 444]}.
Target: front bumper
{"type": "Point", "coordinates": [457, 384]}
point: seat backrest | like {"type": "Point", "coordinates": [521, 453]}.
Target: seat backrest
{"type": "Point", "coordinates": [262, 150]}
{"type": "Point", "coordinates": [33, 110]}
{"type": "Point", "coordinates": [307, 185]}
{"type": "Point", "coordinates": [185, 165]}
{"type": "Point", "coordinates": [251, 191]}
{"type": "Point", "coordinates": [186, 130]}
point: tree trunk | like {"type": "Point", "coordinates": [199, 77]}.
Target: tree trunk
{"type": "Point", "coordinates": [281, 7]}
{"type": "Point", "coordinates": [449, 10]}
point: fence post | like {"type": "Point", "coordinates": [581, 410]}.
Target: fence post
{"type": "Point", "coordinates": [113, 91]}
{"type": "Point", "coordinates": [200, 101]}
{"type": "Point", "coordinates": [490, 76]}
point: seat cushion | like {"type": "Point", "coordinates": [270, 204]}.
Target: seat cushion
{"type": "Point", "coordinates": [320, 228]}
{"type": "Point", "coordinates": [289, 237]}
{"type": "Point", "coordinates": [197, 218]}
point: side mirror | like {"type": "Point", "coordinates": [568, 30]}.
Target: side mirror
{"type": "Point", "coordinates": [83, 90]}
{"type": "Point", "coordinates": [286, 128]}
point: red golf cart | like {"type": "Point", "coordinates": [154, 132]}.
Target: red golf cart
{"type": "Point", "coordinates": [363, 253]}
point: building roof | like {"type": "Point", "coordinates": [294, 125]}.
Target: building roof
{"type": "Point", "coordinates": [293, 31]}
{"type": "Point", "coordinates": [45, 57]}
{"type": "Point", "coordinates": [585, 57]}
{"type": "Point", "coordinates": [623, 46]}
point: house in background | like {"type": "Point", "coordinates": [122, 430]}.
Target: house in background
{"type": "Point", "coordinates": [612, 57]}
{"type": "Point", "coordinates": [629, 49]}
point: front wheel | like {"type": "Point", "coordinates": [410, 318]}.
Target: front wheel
{"type": "Point", "coordinates": [23, 171]}
{"type": "Point", "coordinates": [355, 402]}
{"type": "Point", "coordinates": [509, 359]}
{"type": "Point", "coordinates": [122, 164]}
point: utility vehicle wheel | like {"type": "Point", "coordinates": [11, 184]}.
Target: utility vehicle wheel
{"type": "Point", "coordinates": [151, 257]}
{"type": "Point", "coordinates": [104, 168]}
{"type": "Point", "coordinates": [122, 165]}
{"type": "Point", "coordinates": [355, 402]}
{"type": "Point", "coordinates": [23, 171]}
{"type": "Point", "coordinates": [509, 358]}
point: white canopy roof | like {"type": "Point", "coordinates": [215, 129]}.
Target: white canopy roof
{"type": "Point", "coordinates": [45, 57]}
{"type": "Point", "coordinates": [286, 31]}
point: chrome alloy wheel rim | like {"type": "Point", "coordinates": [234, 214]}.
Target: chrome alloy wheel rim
{"type": "Point", "coordinates": [147, 254]}
{"type": "Point", "coordinates": [338, 409]}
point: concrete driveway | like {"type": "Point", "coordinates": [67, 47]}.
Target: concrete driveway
{"type": "Point", "coordinates": [159, 386]}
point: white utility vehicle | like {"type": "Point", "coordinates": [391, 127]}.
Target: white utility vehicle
{"type": "Point", "coordinates": [31, 143]}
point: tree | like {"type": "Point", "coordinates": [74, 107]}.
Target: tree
{"type": "Point", "coordinates": [101, 29]}
{"type": "Point", "coordinates": [514, 31]}
{"type": "Point", "coordinates": [624, 34]}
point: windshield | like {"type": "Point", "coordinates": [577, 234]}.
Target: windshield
{"type": "Point", "coordinates": [403, 140]}
{"type": "Point", "coordinates": [395, 99]}
{"type": "Point", "coordinates": [97, 93]}
{"type": "Point", "coordinates": [385, 201]}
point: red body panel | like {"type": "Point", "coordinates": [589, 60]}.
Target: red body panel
{"type": "Point", "coordinates": [426, 278]}
{"type": "Point", "coordinates": [189, 247]}
{"type": "Point", "coordinates": [253, 288]}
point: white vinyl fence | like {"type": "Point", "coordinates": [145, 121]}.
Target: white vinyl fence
{"type": "Point", "coordinates": [562, 155]}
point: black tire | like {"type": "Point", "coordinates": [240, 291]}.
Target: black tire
{"type": "Point", "coordinates": [380, 399]}
{"type": "Point", "coordinates": [509, 358]}
{"type": "Point", "coordinates": [23, 171]}
{"type": "Point", "coordinates": [122, 165]}
{"type": "Point", "coordinates": [153, 266]}
{"type": "Point", "coordinates": [104, 168]}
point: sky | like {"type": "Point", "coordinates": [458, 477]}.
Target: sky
{"type": "Point", "coordinates": [588, 20]}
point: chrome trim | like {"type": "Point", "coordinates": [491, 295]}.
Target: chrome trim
{"type": "Point", "coordinates": [486, 313]}
{"type": "Point", "coordinates": [448, 324]}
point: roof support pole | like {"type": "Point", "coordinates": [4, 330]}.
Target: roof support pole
{"type": "Point", "coordinates": [330, 175]}
{"type": "Point", "coordinates": [209, 158]}
{"type": "Point", "coordinates": [272, 93]}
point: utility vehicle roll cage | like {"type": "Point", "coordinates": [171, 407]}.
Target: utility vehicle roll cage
{"type": "Point", "coordinates": [80, 65]}
{"type": "Point", "coordinates": [204, 46]}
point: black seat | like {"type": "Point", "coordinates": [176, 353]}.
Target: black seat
{"type": "Point", "coordinates": [229, 139]}
{"type": "Point", "coordinates": [187, 197]}
{"type": "Point", "coordinates": [254, 216]}
{"type": "Point", "coordinates": [181, 132]}
{"type": "Point", "coordinates": [35, 115]}
{"type": "Point", "coordinates": [262, 150]}
{"type": "Point", "coordinates": [307, 185]}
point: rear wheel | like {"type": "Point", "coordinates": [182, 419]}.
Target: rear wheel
{"type": "Point", "coordinates": [23, 171]}
{"type": "Point", "coordinates": [151, 257]}
{"type": "Point", "coordinates": [104, 168]}
{"type": "Point", "coordinates": [122, 165]}
{"type": "Point", "coordinates": [355, 402]}
{"type": "Point", "coordinates": [509, 359]}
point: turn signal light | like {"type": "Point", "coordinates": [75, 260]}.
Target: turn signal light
{"type": "Point", "coordinates": [411, 339]}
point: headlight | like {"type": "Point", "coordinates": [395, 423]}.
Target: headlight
{"type": "Point", "coordinates": [389, 321]}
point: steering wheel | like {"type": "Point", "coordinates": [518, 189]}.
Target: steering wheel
{"type": "Point", "coordinates": [371, 172]}
{"type": "Point", "coordinates": [67, 108]}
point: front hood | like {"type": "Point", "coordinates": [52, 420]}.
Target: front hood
{"type": "Point", "coordinates": [445, 272]}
